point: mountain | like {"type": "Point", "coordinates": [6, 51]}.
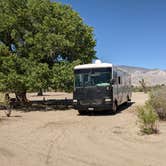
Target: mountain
{"type": "Point", "coordinates": [151, 76]}
{"type": "Point", "coordinates": [132, 69]}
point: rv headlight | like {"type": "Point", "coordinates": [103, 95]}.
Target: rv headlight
{"type": "Point", "coordinates": [107, 100]}
{"type": "Point", "coordinates": [75, 101]}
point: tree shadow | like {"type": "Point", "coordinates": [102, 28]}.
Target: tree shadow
{"type": "Point", "coordinates": [11, 116]}
{"type": "Point", "coordinates": [16, 116]}
{"type": "Point", "coordinates": [44, 105]}
{"type": "Point", "coordinates": [42, 108]}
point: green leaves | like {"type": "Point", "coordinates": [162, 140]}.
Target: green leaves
{"type": "Point", "coordinates": [39, 77]}
{"type": "Point", "coordinates": [48, 38]}
{"type": "Point", "coordinates": [63, 76]}
{"type": "Point", "coordinates": [148, 119]}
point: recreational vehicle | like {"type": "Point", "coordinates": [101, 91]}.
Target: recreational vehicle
{"type": "Point", "coordinates": [100, 86]}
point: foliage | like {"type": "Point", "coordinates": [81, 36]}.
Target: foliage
{"type": "Point", "coordinates": [143, 85]}
{"type": "Point", "coordinates": [137, 89]}
{"type": "Point", "coordinates": [158, 101]}
{"type": "Point", "coordinates": [39, 38]}
{"type": "Point", "coordinates": [39, 77]}
{"type": "Point", "coordinates": [148, 88]}
{"type": "Point", "coordinates": [63, 76]}
{"type": "Point", "coordinates": [148, 119]}
{"type": "Point", "coordinates": [18, 74]}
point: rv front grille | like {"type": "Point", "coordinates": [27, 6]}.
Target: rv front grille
{"type": "Point", "coordinates": [91, 102]}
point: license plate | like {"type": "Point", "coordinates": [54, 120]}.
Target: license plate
{"type": "Point", "coordinates": [90, 109]}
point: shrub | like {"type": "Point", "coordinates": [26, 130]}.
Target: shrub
{"type": "Point", "coordinates": [148, 119]}
{"type": "Point", "coordinates": [148, 88]}
{"type": "Point", "coordinates": [143, 85]}
{"type": "Point", "coordinates": [157, 100]}
{"type": "Point", "coordinates": [137, 89]}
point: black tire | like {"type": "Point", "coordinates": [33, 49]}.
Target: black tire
{"type": "Point", "coordinates": [128, 98]}
{"type": "Point", "coordinates": [82, 112]}
{"type": "Point", "coordinates": [115, 107]}
{"type": "Point", "coordinates": [128, 102]}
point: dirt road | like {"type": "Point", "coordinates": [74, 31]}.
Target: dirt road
{"type": "Point", "coordinates": [63, 138]}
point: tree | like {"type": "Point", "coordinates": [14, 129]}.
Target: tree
{"type": "Point", "coordinates": [36, 36]}
{"type": "Point", "coordinates": [20, 74]}
{"type": "Point", "coordinates": [143, 85]}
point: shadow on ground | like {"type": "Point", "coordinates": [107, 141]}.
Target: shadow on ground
{"type": "Point", "coordinates": [42, 108]}
{"type": "Point", "coordinates": [121, 108]}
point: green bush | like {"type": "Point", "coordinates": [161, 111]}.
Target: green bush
{"type": "Point", "coordinates": [148, 119]}
{"type": "Point", "coordinates": [157, 100]}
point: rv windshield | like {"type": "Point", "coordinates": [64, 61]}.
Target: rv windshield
{"type": "Point", "coordinates": [92, 77]}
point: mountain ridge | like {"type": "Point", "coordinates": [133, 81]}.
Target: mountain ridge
{"type": "Point", "coordinates": [152, 77]}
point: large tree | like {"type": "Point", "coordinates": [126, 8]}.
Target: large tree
{"type": "Point", "coordinates": [36, 38]}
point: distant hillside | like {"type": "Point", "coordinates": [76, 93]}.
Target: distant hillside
{"type": "Point", "coordinates": [151, 76]}
{"type": "Point", "coordinates": [133, 69]}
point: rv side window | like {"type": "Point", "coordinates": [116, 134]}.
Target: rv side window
{"type": "Point", "coordinates": [119, 80]}
{"type": "Point", "coordinates": [115, 77]}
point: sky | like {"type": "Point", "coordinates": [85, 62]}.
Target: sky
{"type": "Point", "coordinates": [128, 32]}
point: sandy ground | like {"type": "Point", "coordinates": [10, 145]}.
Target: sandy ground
{"type": "Point", "coordinates": [63, 138]}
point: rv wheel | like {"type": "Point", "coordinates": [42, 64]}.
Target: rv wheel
{"type": "Point", "coordinates": [128, 98]}
{"type": "Point", "coordinates": [114, 107]}
{"type": "Point", "coordinates": [82, 112]}
{"type": "Point", "coordinates": [127, 103]}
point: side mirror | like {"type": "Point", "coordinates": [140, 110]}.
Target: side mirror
{"type": "Point", "coordinates": [112, 81]}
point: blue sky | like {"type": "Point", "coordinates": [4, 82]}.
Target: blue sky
{"type": "Point", "coordinates": [128, 32]}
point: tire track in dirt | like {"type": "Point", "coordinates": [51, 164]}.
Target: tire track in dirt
{"type": "Point", "coordinates": [60, 127]}
{"type": "Point", "coordinates": [51, 146]}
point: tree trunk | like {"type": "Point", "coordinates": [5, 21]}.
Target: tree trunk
{"type": "Point", "coordinates": [21, 97]}
{"type": "Point", "coordinates": [40, 93]}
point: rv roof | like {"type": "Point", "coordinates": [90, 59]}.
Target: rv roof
{"type": "Point", "coordinates": [89, 66]}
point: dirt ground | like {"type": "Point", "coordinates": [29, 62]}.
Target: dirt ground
{"type": "Point", "coordinates": [63, 138]}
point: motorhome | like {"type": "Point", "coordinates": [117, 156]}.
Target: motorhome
{"type": "Point", "coordinates": [100, 86]}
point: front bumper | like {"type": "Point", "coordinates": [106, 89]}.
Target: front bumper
{"type": "Point", "coordinates": [101, 107]}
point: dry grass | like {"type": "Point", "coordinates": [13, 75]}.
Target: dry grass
{"type": "Point", "coordinates": [148, 119]}
{"type": "Point", "coordinates": [158, 102]}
